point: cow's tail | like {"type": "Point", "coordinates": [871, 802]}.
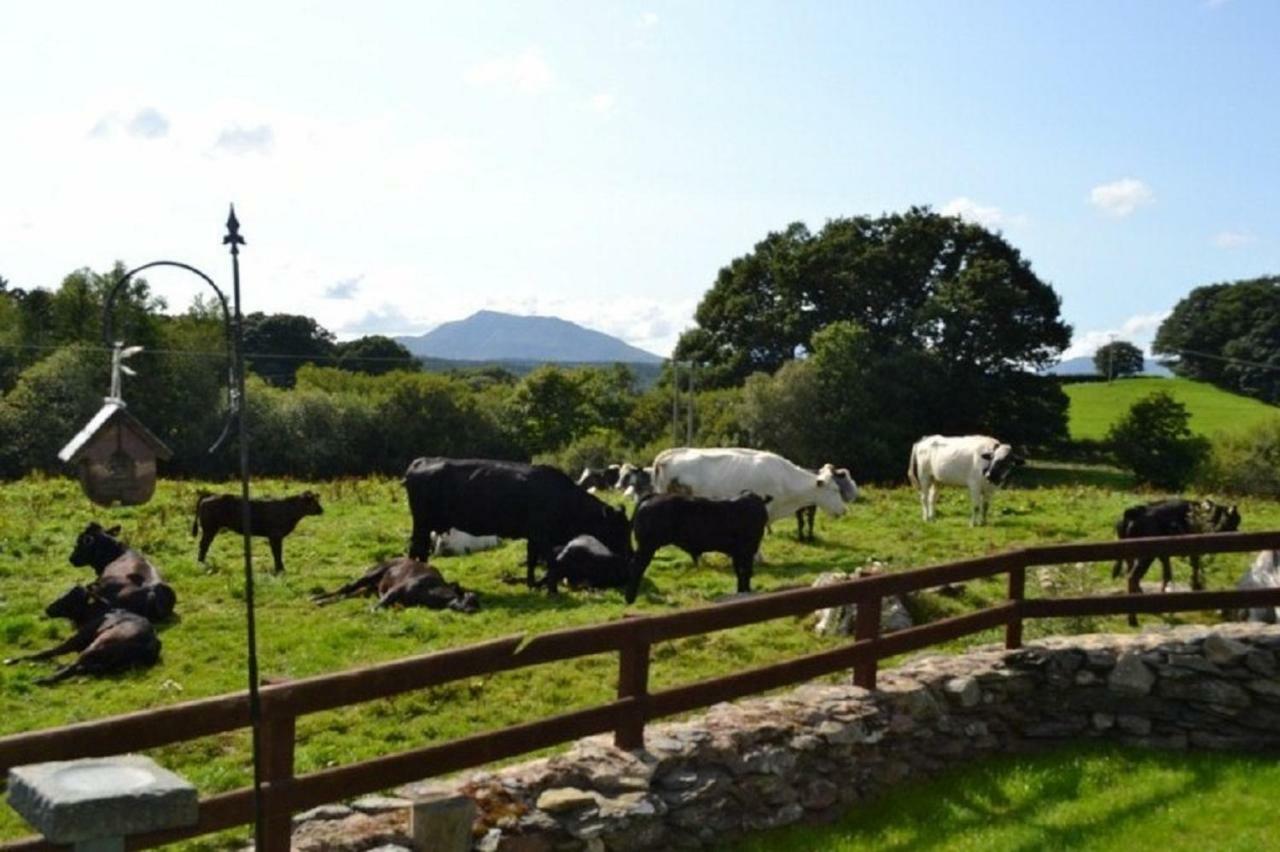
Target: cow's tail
{"type": "Point", "coordinates": [195, 521]}
{"type": "Point", "coordinates": [913, 474]}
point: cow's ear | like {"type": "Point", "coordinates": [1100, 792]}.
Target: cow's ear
{"type": "Point", "coordinates": [114, 531]}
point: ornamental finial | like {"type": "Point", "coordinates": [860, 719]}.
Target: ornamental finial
{"type": "Point", "coordinates": [233, 237]}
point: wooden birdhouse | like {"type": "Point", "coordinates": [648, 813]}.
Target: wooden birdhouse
{"type": "Point", "coordinates": [115, 456]}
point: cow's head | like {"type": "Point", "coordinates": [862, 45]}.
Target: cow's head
{"type": "Point", "coordinates": [97, 547]}
{"type": "Point", "coordinates": [1221, 518]}
{"type": "Point", "coordinates": [844, 481]}
{"type": "Point", "coordinates": [308, 503]}
{"type": "Point", "coordinates": [463, 600]}
{"type": "Point", "coordinates": [79, 604]}
{"type": "Point", "coordinates": [826, 492]}
{"type": "Point", "coordinates": [998, 463]}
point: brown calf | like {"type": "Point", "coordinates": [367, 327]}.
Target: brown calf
{"type": "Point", "coordinates": [271, 519]}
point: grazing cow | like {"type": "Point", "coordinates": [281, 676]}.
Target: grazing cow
{"type": "Point", "coordinates": [1168, 518]}
{"type": "Point", "coordinates": [455, 542]}
{"type": "Point", "coordinates": [698, 525]}
{"type": "Point", "coordinates": [405, 581]}
{"type": "Point", "coordinates": [634, 482]}
{"type": "Point", "coordinates": [586, 563]}
{"type": "Point", "coordinates": [125, 579]}
{"type": "Point", "coordinates": [108, 642]}
{"type": "Point", "coordinates": [977, 461]}
{"type": "Point", "coordinates": [271, 519]}
{"type": "Point", "coordinates": [724, 473]}
{"type": "Point", "coordinates": [510, 499]}
{"type": "Point", "coordinates": [599, 478]}
{"type": "Point", "coordinates": [1264, 573]}
{"type": "Point", "coordinates": [848, 493]}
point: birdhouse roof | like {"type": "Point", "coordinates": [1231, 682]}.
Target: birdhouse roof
{"type": "Point", "coordinates": [111, 411]}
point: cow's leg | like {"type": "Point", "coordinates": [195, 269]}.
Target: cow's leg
{"type": "Point", "coordinates": [1135, 582]}
{"type": "Point", "coordinates": [420, 538]}
{"type": "Point", "coordinates": [393, 596]}
{"type": "Point", "coordinates": [641, 563]}
{"type": "Point", "coordinates": [277, 553]}
{"type": "Point", "coordinates": [78, 641]}
{"type": "Point", "coordinates": [206, 538]}
{"type": "Point", "coordinates": [362, 586]}
{"type": "Point", "coordinates": [1166, 573]}
{"type": "Point", "coordinates": [742, 566]}
{"type": "Point", "coordinates": [927, 496]}
{"type": "Point", "coordinates": [1197, 576]}
{"type": "Point", "coordinates": [532, 550]}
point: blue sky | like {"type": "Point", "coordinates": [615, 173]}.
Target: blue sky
{"type": "Point", "coordinates": [397, 165]}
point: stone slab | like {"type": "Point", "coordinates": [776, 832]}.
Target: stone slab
{"type": "Point", "coordinates": [75, 800]}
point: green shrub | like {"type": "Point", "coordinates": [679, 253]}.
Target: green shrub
{"type": "Point", "coordinates": [1248, 463]}
{"type": "Point", "coordinates": [1155, 441]}
{"type": "Point", "coordinates": [597, 448]}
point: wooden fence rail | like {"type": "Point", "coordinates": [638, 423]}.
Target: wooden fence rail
{"type": "Point", "coordinates": [632, 639]}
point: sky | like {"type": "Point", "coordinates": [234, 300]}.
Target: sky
{"type": "Point", "coordinates": [398, 165]}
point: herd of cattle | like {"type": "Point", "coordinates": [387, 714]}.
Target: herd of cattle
{"type": "Point", "coordinates": [716, 500]}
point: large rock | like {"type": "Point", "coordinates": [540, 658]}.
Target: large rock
{"type": "Point", "coordinates": [1131, 676]}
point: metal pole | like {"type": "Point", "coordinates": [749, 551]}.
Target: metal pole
{"type": "Point", "coordinates": [234, 240]}
{"type": "Point", "coordinates": [675, 403]}
{"type": "Point", "coordinates": [689, 428]}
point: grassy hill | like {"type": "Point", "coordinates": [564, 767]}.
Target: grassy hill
{"type": "Point", "coordinates": [1095, 406]}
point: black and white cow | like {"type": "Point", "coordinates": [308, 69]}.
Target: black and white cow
{"type": "Point", "coordinates": [585, 563]}
{"type": "Point", "coordinates": [978, 462]}
{"type": "Point", "coordinates": [699, 525]}
{"type": "Point", "coordinates": [634, 482]}
{"type": "Point", "coordinates": [848, 493]}
{"type": "Point", "coordinates": [538, 503]}
{"type": "Point", "coordinates": [723, 473]}
{"type": "Point", "coordinates": [600, 478]}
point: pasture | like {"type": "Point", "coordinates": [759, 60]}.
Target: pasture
{"type": "Point", "coordinates": [1090, 798]}
{"type": "Point", "coordinates": [366, 520]}
{"type": "Point", "coordinates": [1095, 406]}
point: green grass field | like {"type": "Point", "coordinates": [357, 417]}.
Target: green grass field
{"type": "Point", "coordinates": [366, 520]}
{"type": "Point", "coordinates": [1098, 799]}
{"type": "Point", "coordinates": [1097, 405]}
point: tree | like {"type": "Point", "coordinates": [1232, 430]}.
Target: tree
{"type": "Point", "coordinates": [915, 281]}
{"type": "Point", "coordinates": [1155, 441]}
{"type": "Point", "coordinates": [375, 354]}
{"type": "Point", "coordinates": [276, 345]}
{"type": "Point", "coordinates": [1118, 358]}
{"type": "Point", "coordinates": [1227, 334]}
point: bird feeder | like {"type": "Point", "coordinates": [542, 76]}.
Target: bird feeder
{"type": "Point", "coordinates": [114, 453]}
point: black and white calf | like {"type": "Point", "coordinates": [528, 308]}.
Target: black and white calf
{"type": "Point", "coordinates": [978, 462]}
{"type": "Point", "coordinates": [585, 563]}
{"type": "Point", "coordinates": [699, 525]}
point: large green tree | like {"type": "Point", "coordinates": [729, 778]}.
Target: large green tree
{"type": "Point", "coordinates": [375, 354]}
{"type": "Point", "coordinates": [1229, 335]}
{"type": "Point", "coordinates": [1118, 358]}
{"type": "Point", "coordinates": [276, 345]}
{"type": "Point", "coordinates": [915, 281]}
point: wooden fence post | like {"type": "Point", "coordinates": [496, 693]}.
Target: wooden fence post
{"type": "Point", "coordinates": [1017, 594]}
{"type": "Point", "coordinates": [633, 682]}
{"type": "Point", "coordinates": [278, 747]}
{"type": "Point", "coordinates": [867, 626]}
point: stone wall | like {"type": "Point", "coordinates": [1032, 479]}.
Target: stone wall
{"type": "Point", "coordinates": [820, 749]}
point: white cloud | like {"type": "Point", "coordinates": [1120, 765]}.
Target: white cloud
{"type": "Point", "coordinates": [1120, 198]}
{"type": "Point", "coordinates": [149, 124]}
{"type": "Point", "coordinates": [603, 103]}
{"type": "Point", "coordinates": [988, 217]}
{"type": "Point", "coordinates": [344, 289]}
{"type": "Point", "coordinates": [1138, 330]}
{"type": "Point", "coordinates": [647, 20]}
{"type": "Point", "coordinates": [246, 140]}
{"type": "Point", "coordinates": [526, 72]}
{"type": "Point", "coordinates": [1232, 239]}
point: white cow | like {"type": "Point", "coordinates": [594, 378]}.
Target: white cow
{"type": "Point", "coordinates": [1264, 573]}
{"type": "Point", "coordinates": [724, 473]}
{"type": "Point", "coordinates": [977, 461]}
{"type": "Point", "coordinates": [455, 542]}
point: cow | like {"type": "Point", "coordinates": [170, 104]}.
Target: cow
{"type": "Point", "coordinates": [1263, 573]}
{"type": "Point", "coordinates": [107, 642]}
{"type": "Point", "coordinates": [1171, 517]}
{"type": "Point", "coordinates": [586, 563]}
{"type": "Point", "coordinates": [635, 482]}
{"type": "Point", "coordinates": [979, 462]}
{"type": "Point", "coordinates": [848, 493]}
{"type": "Point", "coordinates": [405, 581]}
{"type": "Point", "coordinates": [125, 578]}
{"type": "Point", "coordinates": [599, 478]}
{"type": "Point", "coordinates": [455, 542]}
{"type": "Point", "coordinates": [538, 503]}
{"type": "Point", "coordinates": [699, 525]}
{"type": "Point", "coordinates": [724, 473]}
{"type": "Point", "coordinates": [270, 519]}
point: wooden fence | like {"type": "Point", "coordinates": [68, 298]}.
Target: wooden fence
{"type": "Point", "coordinates": [632, 639]}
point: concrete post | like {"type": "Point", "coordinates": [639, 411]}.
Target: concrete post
{"type": "Point", "coordinates": [441, 822]}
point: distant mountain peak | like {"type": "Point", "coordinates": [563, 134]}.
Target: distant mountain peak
{"type": "Point", "coordinates": [489, 335]}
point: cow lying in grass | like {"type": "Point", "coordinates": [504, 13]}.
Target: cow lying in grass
{"type": "Point", "coordinates": [585, 563]}
{"type": "Point", "coordinates": [404, 581]}
{"type": "Point", "coordinates": [107, 642]}
{"type": "Point", "coordinates": [270, 519]}
{"type": "Point", "coordinates": [125, 578]}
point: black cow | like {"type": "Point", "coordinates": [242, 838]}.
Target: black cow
{"type": "Point", "coordinates": [600, 478]}
{"type": "Point", "coordinates": [586, 563]}
{"type": "Point", "coordinates": [126, 579]}
{"type": "Point", "coordinates": [406, 582]}
{"type": "Point", "coordinates": [108, 642]}
{"type": "Point", "coordinates": [1170, 518]}
{"type": "Point", "coordinates": [509, 499]}
{"type": "Point", "coordinates": [270, 519]}
{"type": "Point", "coordinates": [698, 525]}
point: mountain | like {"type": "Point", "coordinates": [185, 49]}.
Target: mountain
{"type": "Point", "coordinates": [1083, 366]}
{"type": "Point", "coordinates": [495, 336]}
